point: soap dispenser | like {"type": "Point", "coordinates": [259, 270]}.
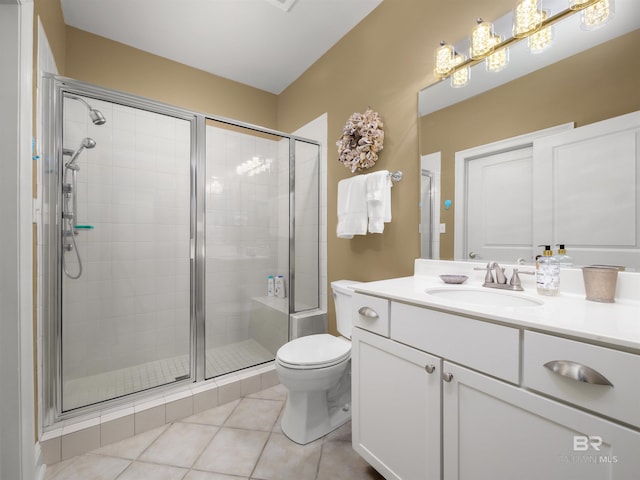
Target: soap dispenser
{"type": "Point", "coordinates": [547, 273]}
{"type": "Point", "coordinates": [564, 260]}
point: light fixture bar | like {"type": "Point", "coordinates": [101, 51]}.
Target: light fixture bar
{"type": "Point", "coordinates": [469, 62]}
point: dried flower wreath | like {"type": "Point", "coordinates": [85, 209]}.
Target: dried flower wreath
{"type": "Point", "coordinates": [362, 138]}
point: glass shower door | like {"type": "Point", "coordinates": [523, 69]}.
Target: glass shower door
{"type": "Point", "coordinates": [247, 240]}
{"type": "Point", "coordinates": [126, 240]}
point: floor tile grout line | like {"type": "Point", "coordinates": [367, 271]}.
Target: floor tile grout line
{"type": "Point", "coordinates": [219, 428]}
{"type": "Point", "coordinates": [253, 470]}
{"type": "Point", "coordinates": [271, 432]}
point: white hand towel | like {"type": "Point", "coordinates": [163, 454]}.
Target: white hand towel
{"type": "Point", "coordinates": [352, 207]}
{"type": "Point", "coordinates": [378, 200]}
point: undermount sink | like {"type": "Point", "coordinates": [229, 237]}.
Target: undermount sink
{"type": "Point", "coordinates": [479, 296]}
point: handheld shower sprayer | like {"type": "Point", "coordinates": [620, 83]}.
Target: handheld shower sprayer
{"type": "Point", "coordinates": [70, 205]}
{"type": "Point", "coordinates": [96, 115]}
{"type": "Point", "coordinates": [86, 143]}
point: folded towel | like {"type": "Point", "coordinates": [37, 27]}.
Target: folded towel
{"type": "Point", "coordinates": [378, 200]}
{"type": "Point", "coordinates": [352, 207]}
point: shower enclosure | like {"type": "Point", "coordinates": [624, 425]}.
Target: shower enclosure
{"type": "Point", "coordinates": [160, 228]}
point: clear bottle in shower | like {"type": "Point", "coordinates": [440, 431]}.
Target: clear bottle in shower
{"type": "Point", "coordinates": [271, 289]}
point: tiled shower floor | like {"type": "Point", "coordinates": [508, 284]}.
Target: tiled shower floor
{"type": "Point", "coordinates": [219, 360]}
{"type": "Point", "coordinates": [240, 440]}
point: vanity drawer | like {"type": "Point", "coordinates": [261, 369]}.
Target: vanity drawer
{"type": "Point", "coordinates": [370, 313]}
{"type": "Point", "coordinates": [483, 346]}
{"type": "Point", "coordinates": [570, 359]}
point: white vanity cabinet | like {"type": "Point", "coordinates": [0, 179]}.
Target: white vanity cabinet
{"type": "Point", "coordinates": [495, 431]}
{"type": "Point", "coordinates": [396, 407]}
{"type": "Point", "coordinates": [446, 396]}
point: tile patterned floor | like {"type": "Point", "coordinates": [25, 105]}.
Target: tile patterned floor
{"type": "Point", "coordinates": [219, 360]}
{"type": "Point", "coordinates": [240, 440]}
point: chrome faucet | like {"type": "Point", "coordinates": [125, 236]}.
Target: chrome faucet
{"type": "Point", "coordinates": [500, 280]}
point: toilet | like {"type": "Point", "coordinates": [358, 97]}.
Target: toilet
{"type": "Point", "coordinates": [316, 370]}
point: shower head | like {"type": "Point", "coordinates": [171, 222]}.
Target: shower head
{"type": "Point", "coordinates": [96, 115]}
{"type": "Point", "coordinates": [86, 143]}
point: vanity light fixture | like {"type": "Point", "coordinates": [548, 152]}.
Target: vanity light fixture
{"type": "Point", "coordinates": [580, 4]}
{"type": "Point", "coordinates": [530, 21]}
{"type": "Point", "coordinates": [527, 18]}
{"type": "Point", "coordinates": [597, 14]}
{"type": "Point", "coordinates": [444, 60]}
{"type": "Point", "coordinates": [481, 40]}
{"type": "Point", "coordinates": [499, 59]}
{"type": "Point", "coordinates": [541, 40]}
{"type": "Point", "coordinates": [460, 77]}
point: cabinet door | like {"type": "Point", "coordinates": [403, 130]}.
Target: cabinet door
{"type": "Point", "coordinates": [396, 407]}
{"type": "Point", "coordinates": [494, 431]}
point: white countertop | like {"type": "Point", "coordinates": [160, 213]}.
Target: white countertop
{"type": "Point", "coordinates": [568, 313]}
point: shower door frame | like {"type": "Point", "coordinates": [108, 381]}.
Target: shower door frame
{"type": "Point", "coordinates": [50, 285]}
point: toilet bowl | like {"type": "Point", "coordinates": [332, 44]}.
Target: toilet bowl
{"type": "Point", "coordinates": [316, 370]}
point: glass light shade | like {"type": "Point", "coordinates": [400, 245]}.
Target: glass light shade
{"type": "Point", "coordinates": [527, 18]}
{"type": "Point", "coordinates": [597, 14]}
{"type": "Point", "coordinates": [444, 60]}
{"type": "Point", "coordinates": [481, 40]}
{"type": "Point", "coordinates": [460, 78]}
{"type": "Point", "coordinates": [541, 40]}
{"type": "Point", "coordinates": [499, 59]}
{"type": "Point", "coordinates": [580, 4]}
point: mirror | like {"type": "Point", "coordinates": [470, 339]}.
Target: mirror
{"type": "Point", "coordinates": [598, 83]}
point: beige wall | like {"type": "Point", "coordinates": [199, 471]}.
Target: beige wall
{"type": "Point", "coordinates": [595, 85]}
{"type": "Point", "coordinates": [382, 63]}
{"type": "Point", "coordinates": [50, 14]}
{"type": "Point", "coordinates": [110, 64]}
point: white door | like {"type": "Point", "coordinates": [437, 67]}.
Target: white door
{"type": "Point", "coordinates": [396, 407]}
{"type": "Point", "coordinates": [586, 183]}
{"type": "Point", "coordinates": [496, 215]}
{"type": "Point", "coordinates": [499, 206]}
{"type": "Point", "coordinates": [492, 430]}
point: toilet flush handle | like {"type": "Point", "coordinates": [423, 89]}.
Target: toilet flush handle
{"type": "Point", "coordinates": [368, 312]}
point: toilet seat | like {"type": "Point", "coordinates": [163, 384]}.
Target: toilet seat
{"type": "Point", "coordinates": [314, 351]}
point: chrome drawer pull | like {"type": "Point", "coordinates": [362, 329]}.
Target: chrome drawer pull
{"type": "Point", "coordinates": [368, 312]}
{"type": "Point", "coordinates": [447, 376]}
{"type": "Point", "coordinates": [430, 368]}
{"type": "Point", "coordinates": [578, 372]}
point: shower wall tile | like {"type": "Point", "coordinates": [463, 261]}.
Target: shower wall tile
{"type": "Point", "coordinates": [130, 188]}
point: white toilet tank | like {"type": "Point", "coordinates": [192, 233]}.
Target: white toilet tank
{"type": "Point", "coordinates": [342, 293]}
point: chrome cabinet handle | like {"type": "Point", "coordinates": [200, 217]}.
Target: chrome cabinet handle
{"type": "Point", "coordinates": [578, 372]}
{"type": "Point", "coordinates": [473, 254]}
{"type": "Point", "coordinates": [430, 368]}
{"type": "Point", "coordinates": [447, 376]}
{"type": "Point", "coordinates": [368, 312]}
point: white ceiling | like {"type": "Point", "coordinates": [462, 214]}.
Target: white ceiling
{"type": "Point", "coordinates": [263, 43]}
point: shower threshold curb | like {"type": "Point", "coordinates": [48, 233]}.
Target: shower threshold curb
{"type": "Point", "coordinates": [76, 436]}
